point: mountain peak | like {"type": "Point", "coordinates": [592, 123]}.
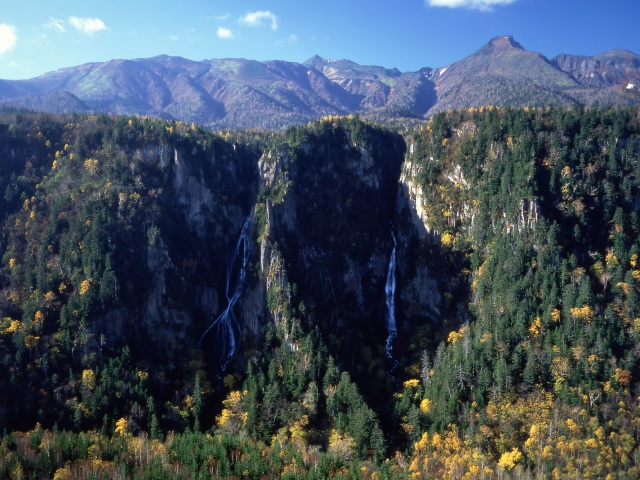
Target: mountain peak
{"type": "Point", "coordinates": [500, 44]}
{"type": "Point", "coordinates": [315, 60]}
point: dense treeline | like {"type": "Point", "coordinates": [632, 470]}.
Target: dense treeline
{"type": "Point", "coordinates": [544, 203]}
{"type": "Point", "coordinates": [533, 212]}
{"type": "Point", "coordinates": [95, 222]}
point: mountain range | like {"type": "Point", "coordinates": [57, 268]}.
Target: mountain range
{"type": "Point", "coordinates": [240, 93]}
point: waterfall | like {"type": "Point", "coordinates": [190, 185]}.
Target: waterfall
{"type": "Point", "coordinates": [390, 291]}
{"type": "Point", "coordinates": [226, 326]}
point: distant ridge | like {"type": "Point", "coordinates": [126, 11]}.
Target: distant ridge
{"type": "Point", "coordinates": [238, 93]}
{"type": "Point", "coordinates": [502, 73]}
{"type": "Point", "coordinates": [615, 67]}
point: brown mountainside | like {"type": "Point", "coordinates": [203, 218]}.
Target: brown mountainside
{"type": "Point", "coordinates": [238, 93]}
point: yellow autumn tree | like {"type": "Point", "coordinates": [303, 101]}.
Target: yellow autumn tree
{"type": "Point", "coordinates": [535, 327]}
{"type": "Point", "coordinates": [85, 285]}
{"type": "Point", "coordinates": [63, 473]}
{"type": "Point", "coordinates": [341, 444]}
{"type": "Point", "coordinates": [298, 432]}
{"type": "Point", "coordinates": [447, 455]}
{"type": "Point", "coordinates": [508, 460]}
{"type": "Point", "coordinates": [456, 335]}
{"type": "Point", "coordinates": [38, 321]}
{"type": "Point", "coordinates": [91, 165]}
{"type": "Point", "coordinates": [426, 405]}
{"type": "Point", "coordinates": [122, 427]}
{"type": "Point", "coordinates": [412, 383]}
{"type": "Point", "coordinates": [31, 341]}
{"type": "Point", "coordinates": [233, 418]}
{"type": "Point", "coordinates": [585, 313]}
{"type": "Point", "coordinates": [89, 380]}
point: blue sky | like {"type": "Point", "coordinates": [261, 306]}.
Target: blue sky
{"type": "Point", "coordinates": [37, 36]}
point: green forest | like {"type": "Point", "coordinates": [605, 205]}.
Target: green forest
{"type": "Point", "coordinates": [125, 239]}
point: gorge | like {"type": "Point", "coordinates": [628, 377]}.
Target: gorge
{"type": "Point", "coordinates": [504, 298]}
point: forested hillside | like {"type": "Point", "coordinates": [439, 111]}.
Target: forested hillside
{"type": "Point", "coordinates": [178, 303]}
{"type": "Point", "coordinates": [544, 205]}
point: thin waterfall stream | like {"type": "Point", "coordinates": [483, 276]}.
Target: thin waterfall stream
{"type": "Point", "coordinates": [226, 327]}
{"type": "Point", "coordinates": [390, 291]}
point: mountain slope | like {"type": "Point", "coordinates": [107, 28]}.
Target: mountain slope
{"type": "Point", "coordinates": [238, 93]}
{"type": "Point", "coordinates": [233, 93]}
{"type": "Point", "coordinates": [616, 67]}
{"type": "Point", "coordinates": [379, 88]}
{"type": "Point", "coordinates": [501, 73]}
{"type": "Point", "coordinates": [549, 223]}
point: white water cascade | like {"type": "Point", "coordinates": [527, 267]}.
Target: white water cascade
{"type": "Point", "coordinates": [225, 327]}
{"type": "Point", "coordinates": [390, 291]}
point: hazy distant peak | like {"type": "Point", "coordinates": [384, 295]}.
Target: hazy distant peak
{"type": "Point", "coordinates": [314, 60]}
{"type": "Point", "coordinates": [320, 62]}
{"type": "Point", "coordinates": [167, 59]}
{"type": "Point", "coordinates": [617, 53]}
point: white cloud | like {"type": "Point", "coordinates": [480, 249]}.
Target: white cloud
{"type": "Point", "coordinates": [8, 38]}
{"type": "Point", "coordinates": [87, 25]}
{"type": "Point", "coordinates": [482, 5]}
{"type": "Point", "coordinates": [224, 33]}
{"type": "Point", "coordinates": [56, 24]}
{"type": "Point", "coordinates": [222, 18]}
{"type": "Point", "coordinates": [257, 19]}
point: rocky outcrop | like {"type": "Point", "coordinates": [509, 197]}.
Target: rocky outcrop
{"type": "Point", "coordinates": [328, 205]}
{"type": "Point", "coordinates": [192, 193]}
{"type": "Point", "coordinates": [411, 196]}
